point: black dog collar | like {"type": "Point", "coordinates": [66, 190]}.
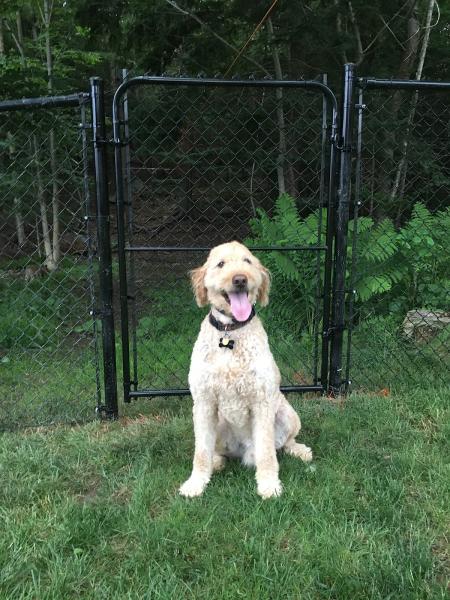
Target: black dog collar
{"type": "Point", "coordinates": [231, 326]}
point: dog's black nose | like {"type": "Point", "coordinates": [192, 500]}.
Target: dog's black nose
{"type": "Point", "coordinates": [240, 281]}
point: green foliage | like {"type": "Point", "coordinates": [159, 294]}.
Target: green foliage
{"type": "Point", "coordinates": [395, 270]}
{"type": "Point", "coordinates": [424, 246]}
{"type": "Point", "coordinates": [36, 314]}
{"type": "Point", "coordinates": [294, 273]}
{"type": "Point", "coordinates": [408, 268]}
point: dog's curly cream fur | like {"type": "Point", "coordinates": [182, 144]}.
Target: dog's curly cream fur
{"type": "Point", "coordinates": [238, 409]}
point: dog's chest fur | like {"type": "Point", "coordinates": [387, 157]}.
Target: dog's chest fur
{"type": "Point", "coordinates": [236, 377]}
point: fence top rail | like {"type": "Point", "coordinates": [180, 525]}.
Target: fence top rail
{"type": "Point", "coordinates": [208, 248]}
{"type": "Point", "coordinates": [44, 102]}
{"type": "Point", "coordinates": [310, 84]}
{"type": "Point", "coordinates": [403, 84]}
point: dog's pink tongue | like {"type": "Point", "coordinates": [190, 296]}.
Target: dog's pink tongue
{"type": "Point", "coordinates": [240, 306]}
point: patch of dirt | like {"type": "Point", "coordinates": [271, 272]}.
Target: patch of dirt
{"type": "Point", "coordinates": [90, 494]}
{"type": "Point", "coordinates": [122, 495]}
{"type": "Point", "coordinates": [441, 556]}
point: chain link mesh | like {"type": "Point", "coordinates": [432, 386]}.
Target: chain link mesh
{"type": "Point", "coordinates": [201, 165]}
{"type": "Point", "coordinates": [48, 347]}
{"type": "Point", "coordinates": [204, 166]}
{"type": "Point", "coordinates": [401, 261]}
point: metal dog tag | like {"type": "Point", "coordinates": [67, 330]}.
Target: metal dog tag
{"type": "Point", "coordinates": [226, 342]}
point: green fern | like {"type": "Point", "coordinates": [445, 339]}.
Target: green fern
{"type": "Point", "coordinates": [294, 273]}
{"type": "Point", "coordinates": [395, 270]}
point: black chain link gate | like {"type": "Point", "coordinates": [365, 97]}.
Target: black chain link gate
{"type": "Point", "coordinates": [195, 161]}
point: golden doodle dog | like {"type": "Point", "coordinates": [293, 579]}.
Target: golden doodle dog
{"type": "Point", "coordinates": [238, 409]}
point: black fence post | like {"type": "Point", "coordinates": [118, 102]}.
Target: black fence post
{"type": "Point", "coordinates": [342, 216]}
{"type": "Point", "coordinates": [330, 230]}
{"type": "Point", "coordinates": [121, 237]}
{"type": "Point", "coordinates": [110, 409]}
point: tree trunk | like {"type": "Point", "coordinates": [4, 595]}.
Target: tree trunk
{"type": "Point", "coordinates": [409, 55]}
{"type": "Point", "coordinates": [38, 239]}
{"type": "Point", "coordinates": [55, 199]}
{"type": "Point", "coordinates": [400, 176]}
{"type": "Point", "coordinates": [20, 230]}
{"type": "Point", "coordinates": [359, 47]}
{"type": "Point", "coordinates": [252, 202]}
{"type": "Point", "coordinates": [34, 29]}
{"type": "Point", "coordinates": [339, 30]}
{"type": "Point", "coordinates": [2, 39]}
{"type": "Point", "coordinates": [17, 37]}
{"type": "Point", "coordinates": [404, 72]}
{"type": "Point", "coordinates": [282, 145]}
{"type": "Point", "coordinates": [53, 168]}
{"type": "Point", "coordinates": [49, 262]}
{"type": "Point", "coordinates": [19, 28]}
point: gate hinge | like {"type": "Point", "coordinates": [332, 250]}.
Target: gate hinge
{"type": "Point", "coordinates": [121, 143]}
{"type": "Point", "coordinates": [327, 333]}
{"type": "Point", "coordinates": [101, 312]}
{"type": "Point", "coordinates": [111, 142]}
{"type": "Point", "coordinates": [347, 148]}
{"type": "Point", "coordinates": [336, 142]}
{"type": "Point", "coordinates": [102, 142]}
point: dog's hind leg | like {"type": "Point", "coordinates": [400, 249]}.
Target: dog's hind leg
{"type": "Point", "coordinates": [298, 450]}
{"type": "Point", "coordinates": [287, 427]}
{"type": "Point", "coordinates": [219, 462]}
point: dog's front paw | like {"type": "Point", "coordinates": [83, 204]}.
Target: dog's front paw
{"type": "Point", "coordinates": [194, 486]}
{"type": "Point", "coordinates": [268, 488]}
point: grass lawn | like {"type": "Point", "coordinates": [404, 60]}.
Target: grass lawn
{"type": "Point", "coordinates": [92, 511]}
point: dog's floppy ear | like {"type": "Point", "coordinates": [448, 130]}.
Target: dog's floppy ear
{"type": "Point", "coordinates": [198, 285]}
{"type": "Point", "coordinates": [263, 292]}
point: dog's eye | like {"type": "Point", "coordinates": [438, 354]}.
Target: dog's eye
{"type": "Point", "coordinates": [248, 260]}
{"type": "Point", "coordinates": [220, 265]}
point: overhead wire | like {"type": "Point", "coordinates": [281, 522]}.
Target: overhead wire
{"type": "Point", "coordinates": [257, 28]}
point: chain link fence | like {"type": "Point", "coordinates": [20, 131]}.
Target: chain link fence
{"type": "Point", "coordinates": [201, 166]}
{"type": "Point", "coordinates": [398, 246]}
{"type": "Point", "coordinates": [48, 340]}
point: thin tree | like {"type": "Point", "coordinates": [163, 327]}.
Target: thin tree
{"type": "Point", "coordinates": [285, 172]}
{"type": "Point", "coordinates": [405, 69]}
{"type": "Point", "coordinates": [18, 39]}
{"type": "Point", "coordinates": [281, 158]}
{"type": "Point", "coordinates": [49, 263]}
{"type": "Point", "coordinates": [46, 16]}
{"type": "Point", "coordinates": [20, 229]}
{"type": "Point", "coordinates": [2, 39]}
{"type": "Point", "coordinates": [400, 176]}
